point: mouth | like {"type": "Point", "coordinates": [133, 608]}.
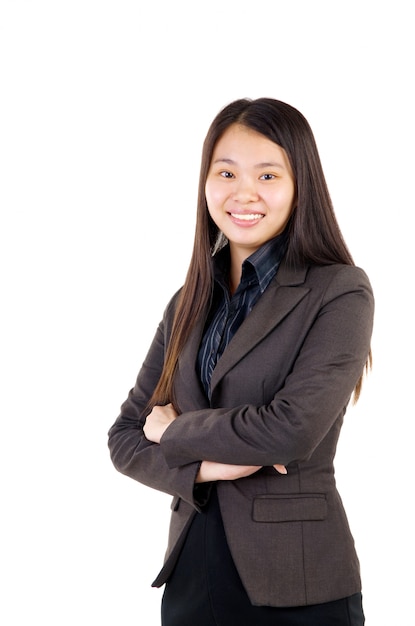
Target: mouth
{"type": "Point", "coordinates": [246, 217]}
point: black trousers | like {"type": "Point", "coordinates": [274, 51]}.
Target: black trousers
{"type": "Point", "coordinates": [205, 588]}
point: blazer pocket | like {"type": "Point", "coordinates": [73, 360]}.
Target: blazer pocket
{"type": "Point", "coordinates": [290, 508]}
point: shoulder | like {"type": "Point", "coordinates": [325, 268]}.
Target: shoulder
{"type": "Point", "coordinates": [335, 281]}
{"type": "Point", "coordinates": [338, 274]}
{"type": "Point", "coordinates": [320, 277]}
{"type": "Point", "coordinates": [171, 306]}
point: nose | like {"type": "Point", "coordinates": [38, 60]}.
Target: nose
{"type": "Point", "coordinates": [245, 190]}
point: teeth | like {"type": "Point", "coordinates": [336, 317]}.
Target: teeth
{"type": "Point", "coordinates": [247, 216]}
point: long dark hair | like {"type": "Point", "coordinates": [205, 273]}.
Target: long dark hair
{"type": "Point", "coordinates": [314, 234]}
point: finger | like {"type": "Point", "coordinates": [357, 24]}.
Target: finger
{"type": "Point", "coordinates": [281, 469]}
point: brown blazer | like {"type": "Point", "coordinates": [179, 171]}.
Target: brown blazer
{"type": "Point", "coordinates": [279, 395]}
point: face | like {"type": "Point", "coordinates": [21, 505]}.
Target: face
{"type": "Point", "coordinates": [250, 189]}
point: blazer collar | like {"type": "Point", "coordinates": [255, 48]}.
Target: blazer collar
{"type": "Point", "coordinates": [283, 293]}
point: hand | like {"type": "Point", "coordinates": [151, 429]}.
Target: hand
{"type": "Point", "coordinates": [211, 471]}
{"type": "Point", "coordinates": [158, 421]}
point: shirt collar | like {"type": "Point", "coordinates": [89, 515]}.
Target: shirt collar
{"type": "Point", "coordinates": [262, 264]}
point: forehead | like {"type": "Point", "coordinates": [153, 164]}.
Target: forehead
{"type": "Point", "coordinates": [239, 143]}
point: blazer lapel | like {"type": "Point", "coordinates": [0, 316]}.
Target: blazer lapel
{"type": "Point", "coordinates": [281, 296]}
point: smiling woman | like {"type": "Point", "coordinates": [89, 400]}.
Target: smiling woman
{"type": "Point", "coordinates": [239, 404]}
{"type": "Point", "coordinates": [250, 192]}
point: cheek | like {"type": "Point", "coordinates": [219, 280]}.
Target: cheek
{"type": "Point", "coordinates": [208, 195]}
{"type": "Point", "coordinates": [209, 202]}
{"type": "Point", "coordinates": [283, 200]}
{"type": "Point", "coordinates": [213, 196]}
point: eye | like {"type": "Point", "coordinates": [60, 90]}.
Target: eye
{"type": "Point", "coordinates": [268, 176]}
{"type": "Point", "coordinates": [226, 174]}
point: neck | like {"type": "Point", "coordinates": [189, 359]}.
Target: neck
{"type": "Point", "coordinates": [238, 256]}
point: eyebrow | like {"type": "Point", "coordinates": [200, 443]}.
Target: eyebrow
{"type": "Point", "coordinates": [258, 165]}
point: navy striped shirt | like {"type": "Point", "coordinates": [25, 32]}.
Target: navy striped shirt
{"type": "Point", "coordinates": [228, 312]}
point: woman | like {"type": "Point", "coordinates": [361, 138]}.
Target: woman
{"type": "Point", "coordinates": [238, 406]}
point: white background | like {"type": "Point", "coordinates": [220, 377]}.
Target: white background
{"type": "Point", "coordinates": [103, 109]}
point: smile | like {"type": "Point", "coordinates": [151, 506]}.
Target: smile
{"type": "Point", "coordinates": [246, 217]}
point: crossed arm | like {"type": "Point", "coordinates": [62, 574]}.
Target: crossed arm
{"type": "Point", "coordinates": [158, 421]}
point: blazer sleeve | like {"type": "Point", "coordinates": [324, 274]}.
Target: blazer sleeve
{"type": "Point", "coordinates": [315, 393]}
{"type": "Point", "coordinates": [131, 453]}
